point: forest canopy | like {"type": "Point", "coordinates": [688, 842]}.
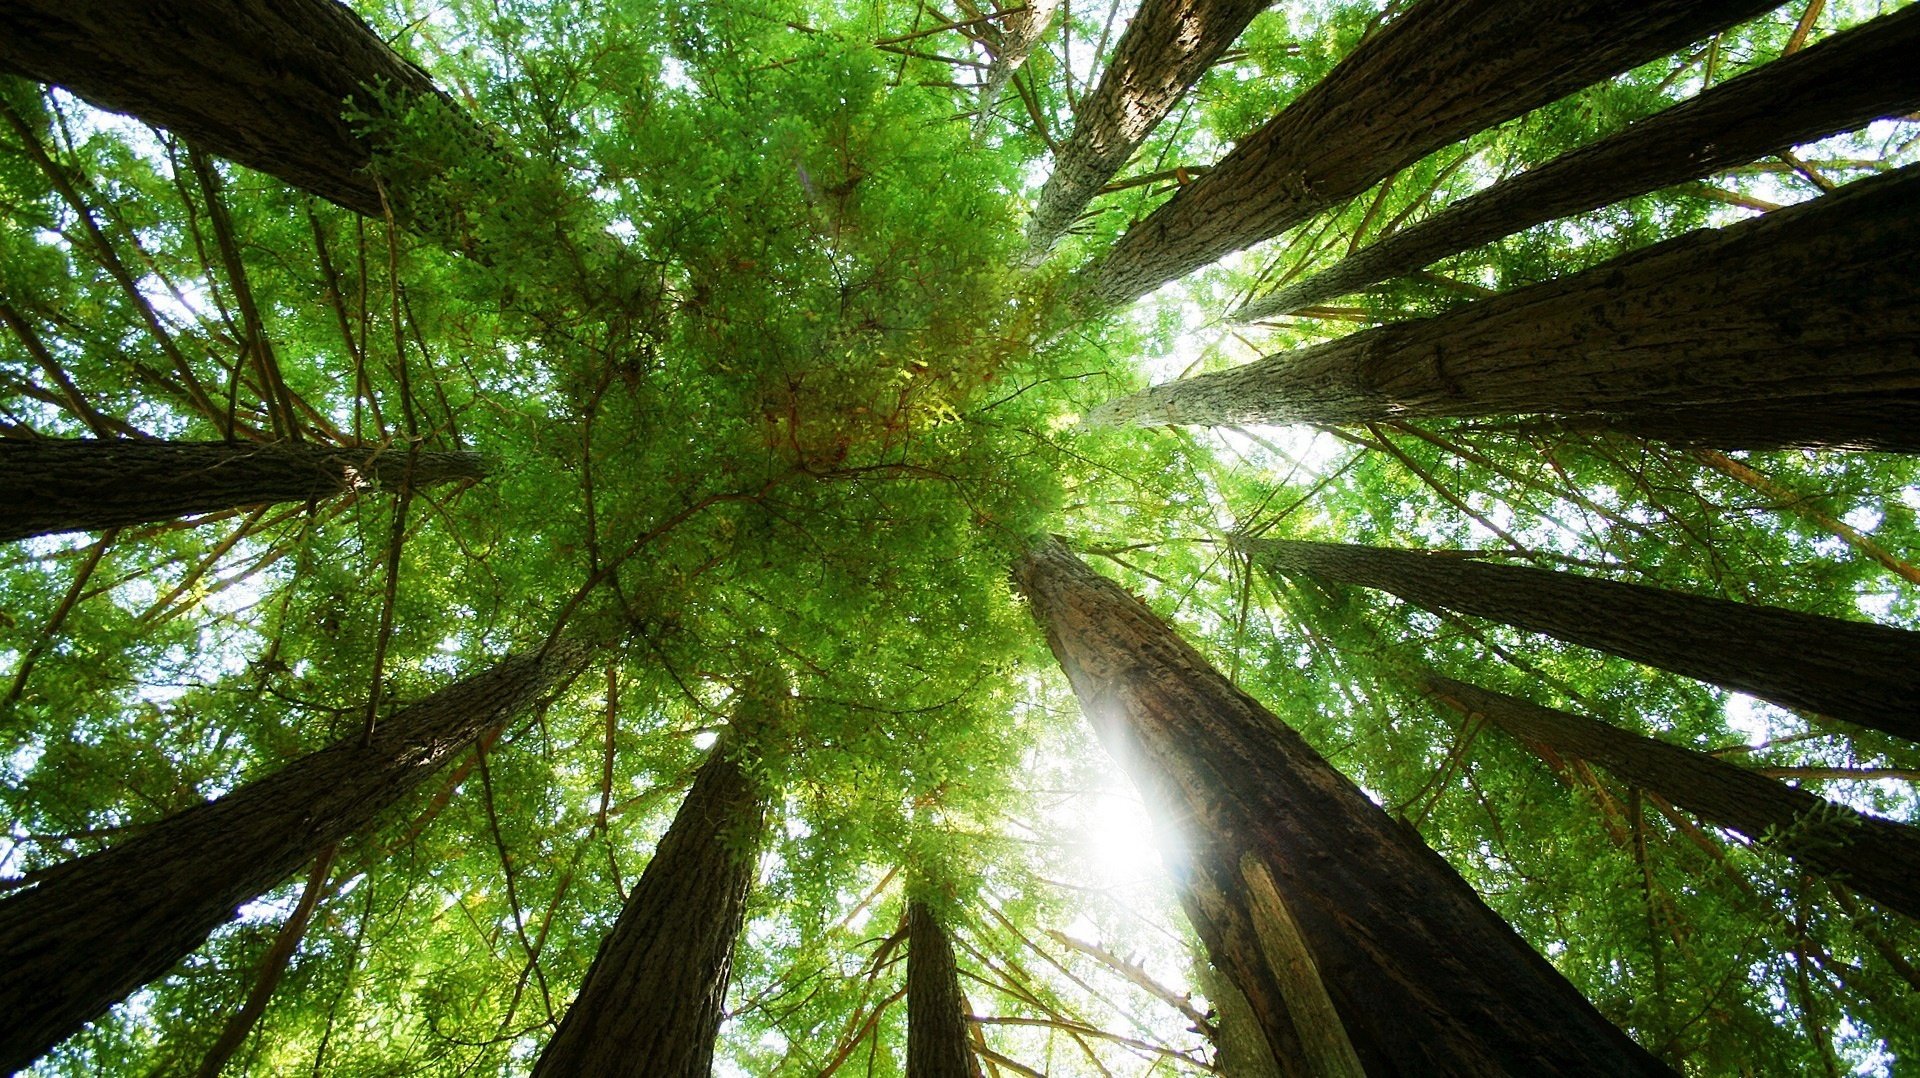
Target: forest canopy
{"type": "Point", "coordinates": [648, 417]}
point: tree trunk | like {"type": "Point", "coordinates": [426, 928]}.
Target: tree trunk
{"type": "Point", "coordinates": [266, 84]}
{"type": "Point", "coordinates": [1838, 85]}
{"type": "Point", "coordinates": [1358, 948]}
{"type": "Point", "coordinates": [1887, 422]}
{"type": "Point", "coordinates": [1437, 74]}
{"type": "Point", "coordinates": [92, 930]}
{"type": "Point", "coordinates": [1862, 673]}
{"type": "Point", "coordinates": [936, 1017]}
{"type": "Point", "coordinates": [49, 485]}
{"type": "Point", "coordinates": [1167, 46]}
{"type": "Point", "coordinates": [1815, 307]}
{"type": "Point", "coordinates": [651, 1003]}
{"type": "Point", "coordinates": [1018, 36]}
{"type": "Point", "coordinates": [1877, 857]}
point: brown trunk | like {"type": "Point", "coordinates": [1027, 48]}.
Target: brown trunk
{"type": "Point", "coordinates": [92, 930]}
{"type": "Point", "coordinates": [1358, 948]}
{"type": "Point", "coordinates": [1167, 46]}
{"type": "Point", "coordinates": [937, 1044]}
{"type": "Point", "coordinates": [1887, 422]}
{"type": "Point", "coordinates": [1444, 70]}
{"type": "Point", "coordinates": [266, 84]}
{"type": "Point", "coordinates": [1838, 85]}
{"type": "Point", "coordinates": [49, 485]}
{"type": "Point", "coordinates": [1877, 857]}
{"type": "Point", "coordinates": [1862, 673]}
{"type": "Point", "coordinates": [651, 1003]}
{"type": "Point", "coordinates": [1816, 307]}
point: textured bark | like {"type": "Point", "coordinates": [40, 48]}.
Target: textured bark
{"type": "Point", "coordinates": [1816, 307]}
{"type": "Point", "coordinates": [93, 930]}
{"type": "Point", "coordinates": [1877, 857]}
{"type": "Point", "coordinates": [266, 83]}
{"type": "Point", "coordinates": [1888, 422]}
{"type": "Point", "coordinates": [1444, 70]}
{"type": "Point", "coordinates": [1838, 85]}
{"type": "Point", "coordinates": [651, 1003]}
{"type": "Point", "coordinates": [1018, 36]}
{"type": "Point", "coordinates": [49, 485]}
{"type": "Point", "coordinates": [1167, 46]}
{"type": "Point", "coordinates": [1291, 876]}
{"type": "Point", "coordinates": [1862, 673]}
{"type": "Point", "coordinates": [937, 1044]}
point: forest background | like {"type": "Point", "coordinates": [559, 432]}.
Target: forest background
{"type": "Point", "coordinates": [767, 387]}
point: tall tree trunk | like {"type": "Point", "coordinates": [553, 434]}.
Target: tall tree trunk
{"type": "Point", "coordinates": [1877, 857]}
{"type": "Point", "coordinates": [1018, 36]}
{"type": "Point", "coordinates": [265, 83]}
{"type": "Point", "coordinates": [651, 1003]}
{"type": "Point", "coordinates": [1359, 949]}
{"type": "Point", "coordinates": [1887, 422]}
{"type": "Point", "coordinates": [1837, 85]}
{"type": "Point", "coordinates": [1167, 46]}
{"type": "Point", "coordinates": [1444, 70]}
{"type": "Point", "coordinates": [49, 485]}
{"type": "Point", "coordinates": [90, 931]}
{"type": "Point", "coordinates": [1862, 673]}
{"type": "Point", "coordinates": [1816, 306]}
{"type": "Point", "coordinates": [937, 1044]}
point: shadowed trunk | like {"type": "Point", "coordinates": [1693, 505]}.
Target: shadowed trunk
{"type": "Point", "coordinates": [1838, 85]}
{"type": "Point", "coordinates": [49, 485]}
{"type": "Point", "coordinates": [266, 84]}
{"type": "Point", "coordinates": [1885, 422]}
{"type": "Point", "coordinates": [1814, 307]}
{"type": "Point", "coordinates": [651, 1003]}
{"type": "Point", "coordinates": [936, 1018]}
{"type": "Point", "coordinates": [90, 931]}
{"type": "Point", "coordinates": [1437, 74]}
{"type": "Point", "coordinates": [1877, 857]}
{"type": "Point", "coordinates": [1862, 673]}
{"type": "Point", "coordinates": [1358, 948]}
{"type": "Point", "coordinates": [1167, 46]}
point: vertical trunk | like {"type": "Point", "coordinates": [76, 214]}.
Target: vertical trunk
{"type": "Point", "coordinates": [1018, 37]}
{"type": "Point", "coordinates": [651, 1003]}
{"type": "Point", "coordinates": [93, 930]}
{"type": "Point", "coordinates": [936, 1019]}
{"type": "Point", "coordinates": [266, 84]}
{"type": "Point", "coordinates": [1837, 85]}
{"type": "Point", "coordinates": [1437, 74]}
{"type": "Point", "coordinates": [49, 485]}
{"type": "Point", "coordinates": [1167, 46]}
{"type": "Point", "coordinates": [1862, 673]}
{"type": "Point", "coordinates": [1814, 308]}
{"type": "Point", "coordinates": [1877, 857]}
{"type": "Point", "coordinates": [1358, 948]}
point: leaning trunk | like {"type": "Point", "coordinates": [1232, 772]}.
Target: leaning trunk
{"type": "Point", "coordinates": [1433, 76]}
{"type": "Point", "coordinates": [1862, 673]}
{"type": "Point", "coordinates": [1017, 40]}
{"type": "Point", "coordinates": [269, 85]}
{"type": "Point", "coordinates": [937, 1044]}
{"type": "Point", "coordinates": [1358, 948]}
{"type": "Point", "coordinates": [49, 485]}
{"type": "Point", "coordinates": [1838, 85]}
{"type": "Point", "coordinates": [651, 1003]}
{"type": "Point", "coordinates": [1877, 857]}
{"type": "Point", "coordinates": [90, 931]}
{"type": "Point", "coordinates": [1814, 307]}
{"type": "Point", "coordinates": [1167, 46]}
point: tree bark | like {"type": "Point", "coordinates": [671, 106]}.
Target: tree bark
{"type": "Point", "coordinates": [1165, 49]}
{"type": "Point", "coordinates": [1018, 36]}
{"type": "Point", "coordinates": [266, 84]}
{"type": "Point", "coordinates": [49, 485]}
{"type": "Point", "coordinates": [1860, 672]}
{"type": "Point", "coordinates": [1358, 948]}
{"type": "Point", "coordinates": [937, 1044]}
{"type": "Point", "coordinates": [1838, 85]}
{"type": "Point", "coordinates": [92, 930]}
{"type": "Point", "coordinates": [1437, 74]}
{"type": "Point", "coordinates": [1887, 422]}
{"type": "Point", "coordinates": [1877, 857]}
{"type": "Point", "coordinates": [1816, 307]}
{"type": "Point", "coordinates": [651, 1003]}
